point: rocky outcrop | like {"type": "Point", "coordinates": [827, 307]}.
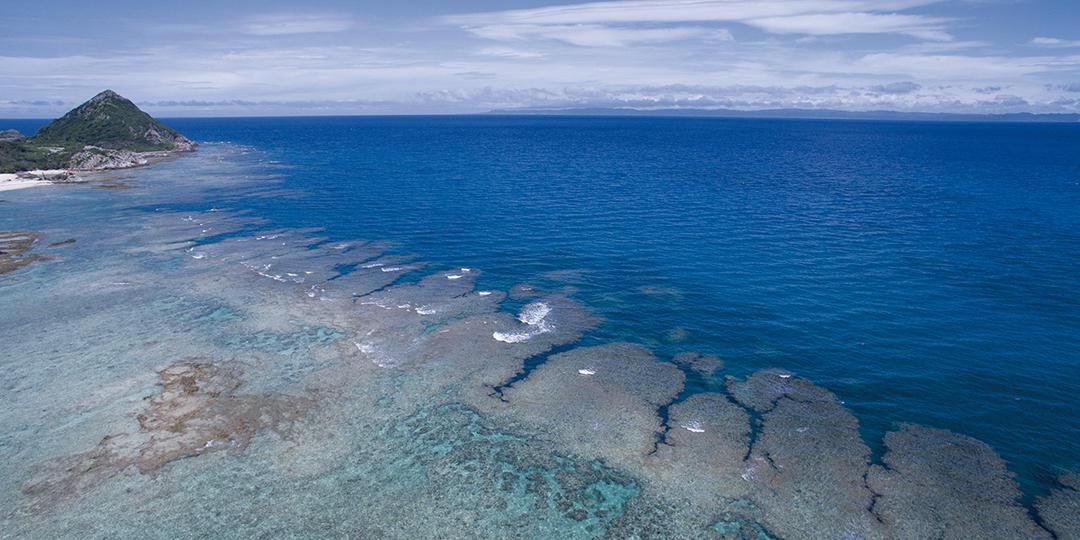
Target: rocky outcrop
{"type": "Point", "coordinates": [14, 248]}
{"type": "Point", "coordinates": [108, 120]}
{"type": "Point", "coordinates": [10, 135]}
{"type": "Point", "coordinates": [106, 132]}
{"type": "Point", "coordinates": [93, 158]}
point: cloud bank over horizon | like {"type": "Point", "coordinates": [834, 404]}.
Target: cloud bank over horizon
{"type": "Point", "coordinates": [337, 57]}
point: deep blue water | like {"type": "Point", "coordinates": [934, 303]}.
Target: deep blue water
{"type": "Point", "coordinates": [924, 272]}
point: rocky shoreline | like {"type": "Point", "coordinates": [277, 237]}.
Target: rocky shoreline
{"type": "Point", "coordinates": [90, 160]}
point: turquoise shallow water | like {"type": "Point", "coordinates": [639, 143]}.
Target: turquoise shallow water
{"type": "Point", "coordinates": [920, 272]}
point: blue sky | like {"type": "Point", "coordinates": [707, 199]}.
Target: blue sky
{"type": "Point", "coordinates": [211, 58]}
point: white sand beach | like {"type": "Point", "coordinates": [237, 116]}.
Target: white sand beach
{"type": "Point", "coordinates": [28, 179]}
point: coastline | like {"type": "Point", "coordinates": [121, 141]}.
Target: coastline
{"type": "Point", "coordinates": [35, 178]}
{"type": "Point", "coordinates": [11, 181]}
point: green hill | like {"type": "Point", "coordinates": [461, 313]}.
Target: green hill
{"type": "Point", "coordinates": [108, 131]}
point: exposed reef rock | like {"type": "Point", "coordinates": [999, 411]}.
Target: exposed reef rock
{"type": "Point", "coordinates": [197, 411]}
{"type": "Point", "coordinates": [808, 464]}
{"type": "Point", "coordinates": [1060, 510]}
{"type": "Point", "coordinates": [92, 158]}
{"type": "Point", "coordinates": [599, 401]}
{"type": "Point", "coordinates": [940, 484]}
{"type": "Point", "coordinates": [14, 248]}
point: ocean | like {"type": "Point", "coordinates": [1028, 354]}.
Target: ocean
{"type": "Point", "coordinates": [922, 273]}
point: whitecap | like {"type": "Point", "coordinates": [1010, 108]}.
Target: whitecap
{"type": "Point", "coordinates": [586, 372]}
{"type": "Point", "coordinates": [391, 269]}
{"type": "Point", "coordinates": [534, 313]}
{"type": "Point", "coordinates": [379, 304]}
{"type": "Point", "coordinates": [510, 337]}
{"type": "Point", "coordinates": [693, 426]}
{"type": "Point", "coordinates": [484, 293]}
{"type": "Point", "coordinates": [453, 276]}
{"type": "Point", "coordinates": [425, 310]}
{"type": "Point", "coordinates": [372, 265]}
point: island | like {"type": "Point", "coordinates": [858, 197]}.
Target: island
{"type": "Point", "coordinates": [106, 132]}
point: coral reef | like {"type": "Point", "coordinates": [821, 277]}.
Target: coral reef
{"type": "Point", "coordinates": [197, 411]}
{"type": "Point", "coordinates": [14, 246]}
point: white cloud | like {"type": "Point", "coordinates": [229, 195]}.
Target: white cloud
{"type": "Point", "coordinates": [677, 53]}
{"type": "Point", "coordinates": [961, 68]}
{"type": "Point", "coordinates": [810, 17]}
{"type": "Point", "coordinates": [287, 24]}
{"type": "Point", "coordinates": [673, 11]}
{"type": "Point", "coordinates": [594, 35]}
{"type": "Point", "coordinates": [855, 23]}
{"type": "Point", "coordinates": [509, 53]}
{"type": "Point", "coordinates": [1055, 42]}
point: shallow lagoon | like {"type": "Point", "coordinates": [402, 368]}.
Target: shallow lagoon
{"type": "Point", "coordinates": [372, 397]}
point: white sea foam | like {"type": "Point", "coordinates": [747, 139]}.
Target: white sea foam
{"type": "Point", "coordinates": [484, 293]}
{"type": "Point", "coordinates": [392, 269]}
{"type": "Point", "coordinates": [586, 372]}
{"type": "Point", "coordinates": [693, 426]}
{"type": "Point", "coordinates": [453, 276]}
{"type": "Point", "coordinates": [425, 310]}
{"type": "Point", "coordinates": [511, 337]}
{"type": "Point", "coordinates": [372, 265]}
{"type": "Point", "coordinates": [379, 304]}
{"type": "Point", "coordinates": [534, 315]}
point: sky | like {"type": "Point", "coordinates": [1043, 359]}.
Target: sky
{"type": "Point", "coordinates": [269, 57]}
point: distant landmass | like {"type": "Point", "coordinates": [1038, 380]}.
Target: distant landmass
{"type": "Point", "coordinates": [817, 114]}
{"type": "Point", "coordinates": [106, 132]}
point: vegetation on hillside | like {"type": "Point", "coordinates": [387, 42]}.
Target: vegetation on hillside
{"type": "Point", "coordinates": [107, 122]}
{"type": "Point", "coordinates": [18, 156]}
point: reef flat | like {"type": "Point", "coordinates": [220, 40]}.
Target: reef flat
{"type": "Point", "coordinates": [219, 375]}
{"type": "Point", "coordinates": [14, 248]}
